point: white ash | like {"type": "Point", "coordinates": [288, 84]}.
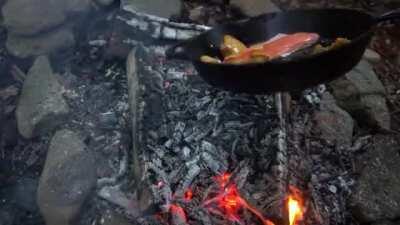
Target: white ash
{"type": "Point", "coordinates": [114, 195]}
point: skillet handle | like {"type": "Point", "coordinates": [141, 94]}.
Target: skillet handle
{"type": "Point", "coordinates": [392, 15]}
{"type": "Point", "coordinates": [177, 51]}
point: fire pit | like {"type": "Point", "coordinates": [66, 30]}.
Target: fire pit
{"type": "Point", "coordinates": [215, 157]}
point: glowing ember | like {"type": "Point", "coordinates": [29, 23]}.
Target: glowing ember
{"type": "Point", "coordinates": [223, 179]}
{"type": "Point", "coordinates": [295, 206]}
{"type": "Point", "coordinates": [188, 195]}
{"type": "Point", "coordinates": [229, 202]}
{"type": "Point", "coordinates": [178, 211]}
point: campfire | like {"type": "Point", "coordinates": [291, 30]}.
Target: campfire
{"type": "Point", "coordinates": [224, 201]}
{"type": "Point", "coordinates": [101, 125]}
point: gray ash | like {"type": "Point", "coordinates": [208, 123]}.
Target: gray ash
{"type": "Point", "coordinates": [192, 132]}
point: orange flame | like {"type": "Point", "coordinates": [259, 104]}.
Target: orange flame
{"type": "Point", "coordinates": [295, 206]}
{"type": "Point", "coordinates": [294, 210]}
{"type": "Point", "coordinates": [229, 202]}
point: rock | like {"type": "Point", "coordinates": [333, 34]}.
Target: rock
{"type": "Point", "coordinates": [254, 7]}
{"type": "Point", "coordinates": [24, 194]}
{"type": "Point", "coordinates": [333, 123]}
{"type": "Point", "coordinates": [68, 177]}
{"type": "Point", "coordinates": [41, 106]}
{"type": "Point", "coordinates": [376, 194]}
{"type": "Point", "coordinates": [75, 6]}
{"type": "Point", "coordinates": [43, 44]}
{"type": "Point", "coordinates": [104, 2]}
{"type": "Point", "coordinates": [27, 17]}
{"type": "Point", "coordinates": [364, 80]}
{"type": "Point", "coordinates": [362, 94]}
{"type": "Point", "coordinates": [154, 7]}
{"type": "Point", "coordinates": [376, 111]}
{"type": "Point", "coordinates": [371, 56]}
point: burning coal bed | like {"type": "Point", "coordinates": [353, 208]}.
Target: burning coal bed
{"type": "Point", "coordinates": [208, 156]}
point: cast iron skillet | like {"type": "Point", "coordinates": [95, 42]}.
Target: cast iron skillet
{"type": "Point", "coordinates": [291, 75]}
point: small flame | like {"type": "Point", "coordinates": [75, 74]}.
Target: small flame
{"type": "Point", "coordinates": [229, 202]}
{"type": "Point", "coordinates": [294, 210]}
{"type": "Point", "coordinates": [295, 206]}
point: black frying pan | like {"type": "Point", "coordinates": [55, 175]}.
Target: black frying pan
{"type": "Point", "coordinates": [289, 75]}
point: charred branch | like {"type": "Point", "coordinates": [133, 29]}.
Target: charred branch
{"type": "Point", "coordinates": [162, 28]}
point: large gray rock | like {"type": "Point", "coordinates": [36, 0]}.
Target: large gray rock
{"type": "Point", "coordinates": [160, 8]}
{"type": "Point", "coordinates": [376, 195]}
{"type": "Point", "coordinates": [43, 44]}
{"type": "Point", "coordinates": [371, 56]}
{"type": "Point", "coordinates": [68, 177]}
{"type": "Point", "coordinates": [254, 7]}
{"type": "Point", "coordinates": [27, 17]}
{"type": "Point", "coordinates": [75, 6]}
{"type": "Point", "coordinates": [41, 106]}
{"type": "Point", "coordinates": [375, 111]}
{"type": "Point", "coordinates": [362, 94]}
{"type": "Point", "coordinates": [333, 123]}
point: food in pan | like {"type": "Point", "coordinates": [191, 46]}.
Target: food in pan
{"type": "Point", "coordinates": [209, 59]}
{"type": "Point", "coordinates": [232, 46]}
{"type": "Point", "coordinates": [282, 45]}
{"type": "Point", "coordinates": [334, 45]}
